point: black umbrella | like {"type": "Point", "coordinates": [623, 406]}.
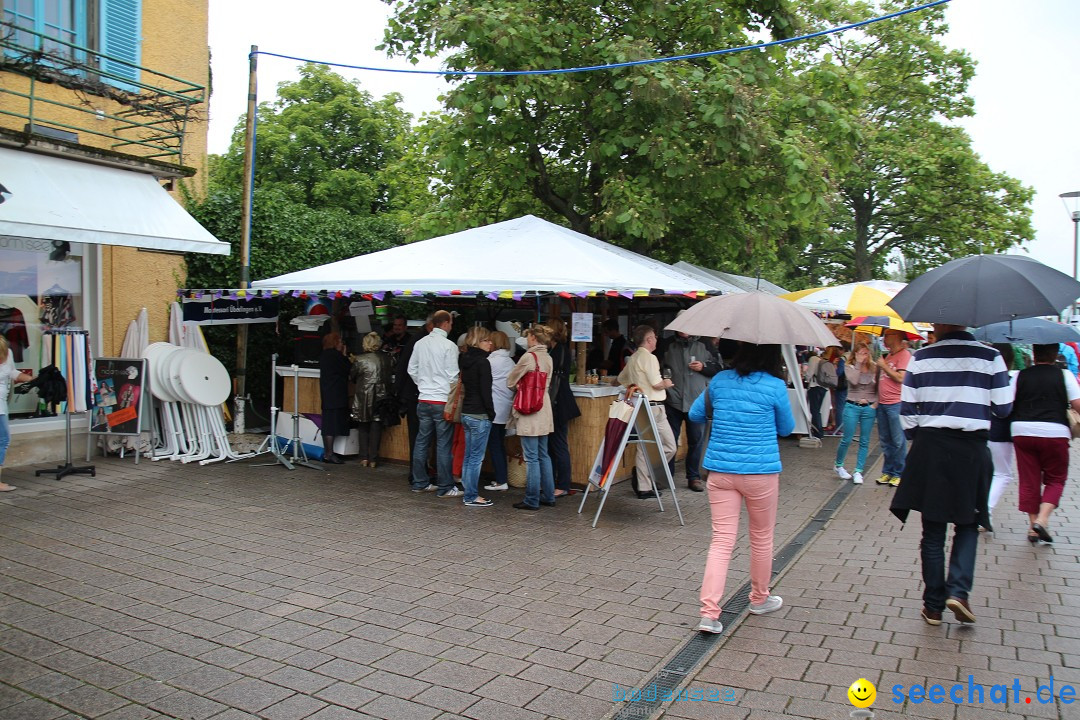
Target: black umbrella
{"type": "Point", "coordinates": [1035, 331]}
{"type": "Point", "coordinates": [984, 289]}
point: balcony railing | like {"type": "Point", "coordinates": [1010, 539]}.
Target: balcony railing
{"type": "Point", "coordinates": [137, 110]}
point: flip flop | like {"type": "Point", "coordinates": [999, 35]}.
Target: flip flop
{"type": "Point", "coordinates": [4, 487]}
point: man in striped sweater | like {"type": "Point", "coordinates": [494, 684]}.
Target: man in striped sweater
{"type": "Point", "coordinates": [950, 391]}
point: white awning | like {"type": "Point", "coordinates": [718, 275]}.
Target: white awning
{"type": "Point", "coordinates": [50, 198]}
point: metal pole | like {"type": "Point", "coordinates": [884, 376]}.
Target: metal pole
{"type": "Point", "coordinates": [245, 237]}
{"type": "Point", "coordinates": [1076, 251]}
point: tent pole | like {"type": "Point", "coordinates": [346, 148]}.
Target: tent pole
{"type": "Point", "coordinates": [245, 239]}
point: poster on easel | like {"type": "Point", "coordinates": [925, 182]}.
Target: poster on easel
{"type": "Point", "coordinates": [117, 409]}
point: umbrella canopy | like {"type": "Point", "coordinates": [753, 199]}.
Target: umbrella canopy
{"type": "Point", "coordinates": [983, 289]}
{"type": "Point", "coordinates": [1035, 331]}
{"type": "Point", "coordinates": [869, 297]}
{"type": "Point", "coordinates": [878, 324]}
{"type": "Point", "coordinates": [755, 317]}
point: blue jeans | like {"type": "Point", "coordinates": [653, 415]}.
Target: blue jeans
{"type": "Point", "coordinates": [965, 543]}
{"type": "Point", "coordinates": [863, 417]}
{"type": "Point", "coordinates": [432, 423]}
{"type": "Point", "coordinates": [496, 449]}
{"type": "Point", "coordinates": [891, 434]}
{"type": "Point", "coordinates": [815, 396]}
{"type": "Point", "coordinates": [694, 433]}
{"type": "Point", "coordinates": [476, 438]}
{"type": "Point", "coordinates": [539, 482]}
{"type": "Point", "coordinates": [559, 450]}
{"type": "Point", "coordinates": [5, 438]}
{"type": "Point", "coordinates": [839, 398]}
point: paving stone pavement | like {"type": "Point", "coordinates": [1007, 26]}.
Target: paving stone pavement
{"type": "Point", "coordinates": [230, 592]}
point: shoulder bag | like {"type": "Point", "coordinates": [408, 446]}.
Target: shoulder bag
{"type": "Point", "coordinates": [454, 401]}
{"type": "Point", "coordinates": [1071, 415]}
{"type": "Point", "coordinates": [531, 389]}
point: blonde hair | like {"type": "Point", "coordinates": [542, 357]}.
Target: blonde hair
{"type": "Point", "coordinates": [3, 349]}
{"type": "Point", "coordinates": [372, 342]}
{"type": "Point", "coordinates": [500, 340]}
{"type": "Point", "coordinates": [540, 333]}
{"type": "Point", "coordinates": [477, 335]}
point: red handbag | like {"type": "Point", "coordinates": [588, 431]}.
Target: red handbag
{"type": "Point", "coordinates": [531, 390]}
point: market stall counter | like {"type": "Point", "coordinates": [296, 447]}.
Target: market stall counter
{"type": "Point", "coordinates": [585, 435]}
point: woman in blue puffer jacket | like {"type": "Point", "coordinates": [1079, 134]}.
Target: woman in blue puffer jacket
{"type": "Point", "coordinates": [749, 409]}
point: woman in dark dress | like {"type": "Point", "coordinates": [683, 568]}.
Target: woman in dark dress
{"type": "Point", "coordinates": [334, 369]}
{"type": "Point", "coordinates": [565, 407]}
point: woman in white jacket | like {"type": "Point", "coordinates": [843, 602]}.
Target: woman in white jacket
{"type": "Point", "coordinates": [501, 364]}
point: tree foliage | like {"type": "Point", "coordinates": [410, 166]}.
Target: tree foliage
{"type": "Point", "coordinates": [914, 186]}
{"type": "Point", "coordinates": [705, 160]}
{"type": "Point", "coordinates": [327, 143]}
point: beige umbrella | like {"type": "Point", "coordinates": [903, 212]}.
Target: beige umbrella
{"type": "Point", "coordinates": [755, 317]}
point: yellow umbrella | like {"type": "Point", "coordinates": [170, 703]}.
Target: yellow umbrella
{"type": "Point", "coordinates": [856, 299]}
{"type": "Point", "coordinates": [876, 325]}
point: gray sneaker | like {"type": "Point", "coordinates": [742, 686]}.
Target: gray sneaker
{"type": "Point", "coordinates": [431, 487]}
{"type": "Point", "coordinates": [452, 492]}
{"type": "Point", "coordinates": [708, 625]}
{"type": "Point", "coordinates": [771, 604]}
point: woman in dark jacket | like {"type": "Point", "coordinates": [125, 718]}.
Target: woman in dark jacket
{"type": "Point", "coordinates": [371, 377]}
{"type": "Point", "coordinates": [334, 394]}
{"type": "Point", "coordinates": [477, 410]}
{"type": "Point", "coordinates": [564, 408]}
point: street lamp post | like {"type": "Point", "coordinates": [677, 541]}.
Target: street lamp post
{"type": "Point", "coordinates": [1072, 206]}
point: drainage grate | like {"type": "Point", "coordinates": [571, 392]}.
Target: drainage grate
{"type": "Point", "coordinates": [663, 684]}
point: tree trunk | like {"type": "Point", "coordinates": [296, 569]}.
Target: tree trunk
{"type": "Point", "coordinates": [864, 261]}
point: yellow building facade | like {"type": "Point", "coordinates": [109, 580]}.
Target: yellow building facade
{"type": "Point", "coordinates": [114, 92]}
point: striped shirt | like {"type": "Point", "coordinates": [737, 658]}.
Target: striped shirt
{"type": "Point", "coordinates": [955, 383]}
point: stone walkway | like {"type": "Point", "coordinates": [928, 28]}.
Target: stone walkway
{"type": "Point", "coordinates": [231, 591]}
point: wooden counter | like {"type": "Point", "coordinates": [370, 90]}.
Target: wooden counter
{"type": "Point", "coordinates": [584, 436]}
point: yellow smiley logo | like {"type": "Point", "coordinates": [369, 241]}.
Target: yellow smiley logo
{"type": "Point", "coordinates": [862, 693]}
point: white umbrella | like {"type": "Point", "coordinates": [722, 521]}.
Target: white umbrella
{"type": "Point", "coordinates": [869, 297]}
{"type": "Point", "coordinates": [755, 317]}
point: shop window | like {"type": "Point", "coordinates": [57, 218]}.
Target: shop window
{"type": "Point", "coordinates": [40, 288]}
{"type": "Point", "coordinates": [112, 27]}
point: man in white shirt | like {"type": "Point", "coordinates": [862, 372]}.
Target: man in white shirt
{"type": "Point", "coordinates": [433, 366]}
{"type": "Point", "coordinates": [643, 370]}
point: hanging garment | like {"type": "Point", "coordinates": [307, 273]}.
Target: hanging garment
{"type": "Point", "coordinates": [57, 308]}
{"type": "Point", "coordinates": [13, 328]}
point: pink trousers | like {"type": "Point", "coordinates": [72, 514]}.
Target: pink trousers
{"type": "Point", "coordinates": [726, 495]}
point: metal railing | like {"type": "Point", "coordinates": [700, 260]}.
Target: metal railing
{"type": "Point", "coordinates": [147, 111]}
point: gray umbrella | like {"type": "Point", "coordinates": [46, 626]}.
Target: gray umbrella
{"type": "Point", "coordinates": [1035, 331]}
{"type": "Point", "coordinates": [754, 317]}
{"type": "Point", "coordinates": [984, 289]}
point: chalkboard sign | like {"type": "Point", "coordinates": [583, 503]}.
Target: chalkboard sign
{"type": "Point", "coordinates": [120, 384]}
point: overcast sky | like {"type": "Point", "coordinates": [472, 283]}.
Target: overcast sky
{"type": "Point", "coordinates": [1027, 119]}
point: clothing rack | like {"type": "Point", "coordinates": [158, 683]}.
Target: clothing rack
{"type": "Point", "coordinates": [69, 351]}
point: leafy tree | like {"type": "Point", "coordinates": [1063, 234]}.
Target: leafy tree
{"type": "Point", "coordinates": [705, 160]}
{"type": "Point", "coordinates": [914, 186]}
{"type": "Point", "coordinates": [327, 144]}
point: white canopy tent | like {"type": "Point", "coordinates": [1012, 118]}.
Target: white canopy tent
{"type": "Point", "coordinates": [737, 283]}
{"type": "Point", "coordinates": [522, 255]}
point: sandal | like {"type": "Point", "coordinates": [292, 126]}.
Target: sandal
{"type": "Point", "coordinates": [4, 487]}
{"type": "Point", "coordinates": [1040, 531]}
{"type": "Point", "coordinates": [1032, 537]}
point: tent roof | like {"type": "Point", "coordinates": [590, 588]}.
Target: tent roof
{"type": "Point", "coordinates": [524, 254]}
{"type": "Point", "coordinates": [736, 283]}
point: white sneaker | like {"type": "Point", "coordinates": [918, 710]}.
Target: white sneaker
{"type": "Point", "coordinates": [708, 625]}
{"type": "Point", "coordinates": [842, 473]}
{"type": "Point", "coordinates": [857, 478]}
{"type": "Point", "coordinates": [771, 604]}
{"type": "Point", "coordinates": [497, 486]}
{"type": "Point", "coordinates": [431, 487]}
{"type": "Point", "coordinates": [452, 492]}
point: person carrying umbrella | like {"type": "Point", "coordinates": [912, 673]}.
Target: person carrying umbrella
{"type": "Point", "coordinates": [951, 390]}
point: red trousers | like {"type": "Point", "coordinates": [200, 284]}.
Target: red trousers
{"type": "Point", "coordinates": [1042, 465]}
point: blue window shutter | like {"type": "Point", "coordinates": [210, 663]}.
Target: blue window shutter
{"type": "Point", "coordinates": [121, 38]}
